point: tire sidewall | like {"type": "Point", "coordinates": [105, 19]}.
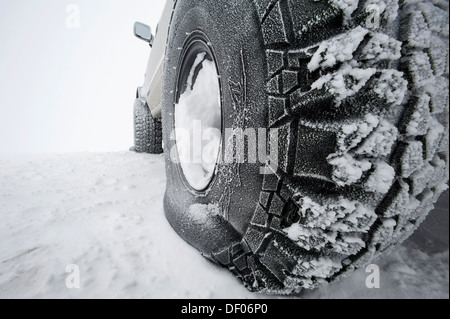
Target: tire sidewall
{"type": "Point", "coordinates": [235, 187]}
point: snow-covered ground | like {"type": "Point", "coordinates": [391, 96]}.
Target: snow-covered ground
{"type": "Point", "coordinates": [104, 213]}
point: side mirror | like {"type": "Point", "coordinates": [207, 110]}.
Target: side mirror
{"type": "Point", "coordinates": [143, 32]}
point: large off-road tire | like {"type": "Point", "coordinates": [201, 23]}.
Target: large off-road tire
{"type": "Point", "coordinates": [358, 91]}
{"type": "Point", "coordinates": [147, 130]}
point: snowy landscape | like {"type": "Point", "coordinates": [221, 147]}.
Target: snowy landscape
{"type": "Point", "coordinates": [73, 202]}
{"type": "Point", "coordinates": [104, 213]}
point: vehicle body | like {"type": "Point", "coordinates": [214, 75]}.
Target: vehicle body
{"type": "Point", "coordinates": [152, 86]}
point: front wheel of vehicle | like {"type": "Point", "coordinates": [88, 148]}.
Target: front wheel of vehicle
{"type": "Point", "coordinates": [348, 117]}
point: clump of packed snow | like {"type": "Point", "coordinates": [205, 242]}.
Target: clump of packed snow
{"type": "Point", "coordinates": [420, 119]}
{"type": "Point", "coordinates": [420, 68]}
{"type": "Point", "coordinates": [441, 170]}
{"type": "Point", "coordinates": [356, 65]}
{"type": "Point", "coordinates": [347, 170]}
{"type": "Point", "coordinates": [388, 9]}
{"type": "Point", "coordinates": [401, 202]}
{"type": "Point", "coordinates": [386, 230]}
{"type": "Point", "coordinates": [412, 158]}
{"type": "Point", "coordinates": [331, 224]}
{"type": "Point", "coordinates": [437, 19]}
{"type": "Point", "coordinates": [418, 35]}
{"type": "Point", "coordinates": [380, 142]}
{"type": "Point", "coordinates": [317, 269]}
{"type": "Point", "coordinates": [198, 124]}
{"type": "Point", "coordinates": [346, 82]}
{"type": "Point", "coordinates": [434, 137]}
{"type": "Point", "coordinates": [381, 179]}
{"type": "Point", "coordinates": [322, 268]}
{"type": "Point", "coordinates": [347, 7]}
{"type": "Point", "coordinates": [360, 220]}
{"type": "Point", "coordinates": [391, 86]}
{"type": "Point", "coordinates": [202, 213]}
{"type": "Point", "coordinates": [420, 179]}
{"type": "Point", "coordinates": [440, 61]}
{"type": "Point", "coordinates": [104, 213]}
{"type": "Point", "coordinates": [352, 134]}
{"type": "Point", "coordinates": [315, 215]}
{"type": "Point", "coordinates": [381, 47]}
{"type": "Point", "coordinates": [438, 91]}
{"type": "Point", "coordinates": [338, 49]}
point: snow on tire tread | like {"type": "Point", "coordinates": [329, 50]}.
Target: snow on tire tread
{"type": "Point", "coordinates": [366, 157]}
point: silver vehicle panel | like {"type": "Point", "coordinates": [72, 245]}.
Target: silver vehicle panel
{"type": "Point", "coordinates": [152, 87]}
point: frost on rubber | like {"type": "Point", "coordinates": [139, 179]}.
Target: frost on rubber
{"type": "Point", "coordinates": [147, 130]}
{"type": "Point", "coordinates": [364, 113]}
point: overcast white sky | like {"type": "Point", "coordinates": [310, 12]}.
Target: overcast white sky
{"type": "Point", "coordinates": [70, 90]}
